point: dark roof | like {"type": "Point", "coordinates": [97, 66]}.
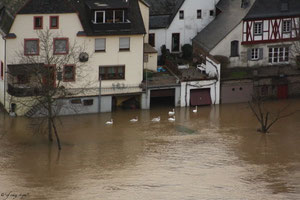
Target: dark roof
{"type": "Point", "coordinates": [231, 15]}
{"type": "Point", "coordinates": [46, 6]}
{"type": "Point", "coordinates": [164, 10]}
{"type": "Point", "coordinates": [159, 21]}
{"type": "Point", "coordinates": [149, 49]}
{"type": "Point", "coordinates": [71, 6]}
{"type": "Point", "coordinates": [134, 15]}
{"type": "Point", "coordinates": [104, 4]}
{"type": "Point", "coordinates": [8, 8]}
{"type": "Point", "coordinates": [274, 8]}
{"type": "Point", "coordinates": [6, 19]}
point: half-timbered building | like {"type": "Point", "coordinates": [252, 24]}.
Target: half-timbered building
{"type": "Point", "coordinates": [258, 42]}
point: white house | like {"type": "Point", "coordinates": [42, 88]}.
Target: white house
{"type": "Point", "coordinates": [113, 34]}
{"type": "Point", "coordinates": [176, 22]}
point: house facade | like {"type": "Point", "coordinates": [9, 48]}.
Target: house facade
{"type": "Point", "coordinates": [111, 36]}
{"type": "Point", "coordinates": [176, 22]}
{"type": "Point", "coordinates": [258, 35]}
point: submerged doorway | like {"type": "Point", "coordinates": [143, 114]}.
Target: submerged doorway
{"type": "Point", "coordinates": [200, 97]}
{"type": "Point", "coordinates": [162, 98]}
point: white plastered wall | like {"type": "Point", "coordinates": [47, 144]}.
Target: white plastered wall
{"type": "Point", "coordinates": [188, 27]}
{"type": "Point", "coordinates": [87, 75]}
{"type": "Point", "coordinates": [69, 25]}
{"type": "Point", "coordinates": [224, 48]}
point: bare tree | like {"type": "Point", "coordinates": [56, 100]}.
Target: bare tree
{"type": "Point", "coordinates": [48, 76]}
{"type": "Point", "coordinates": [265, 117]}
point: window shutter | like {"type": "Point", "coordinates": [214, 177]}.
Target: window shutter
{"type": "Point", "coordinates": [249, 54]}
{"type": "Point", "coordinates": [125, 43]}
{"type": "Point", "coordinates": [261, 52]}
{"type": "Point", "coordinates": [100, 44]}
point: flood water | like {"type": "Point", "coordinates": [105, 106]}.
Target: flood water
{"type": "Point", "coordinates": [215, 153]}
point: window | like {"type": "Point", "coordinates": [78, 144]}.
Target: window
{"type": "Point", "coordinates": [152, 39]}
{"type": "Point", "coordinates": [31, 47]}
{"type": "Point", "coordinates": [181, 14]}
{"type": "Point", "coordinates": [286, 26]}
{"type": "Point", "coordinates": [175, 42]}
{"type": "Point", "coordinates": [88, 102]}
{"type": "Point", "coordinates": [112, 72]}
{"type": "Point", "coordinates": [2, 70]}
{"type": "Point", "coordinates": [211, 12]}
{"type": "Point", "coordinates": [258, 28]}
{"type": "Point", "coordinates": [124, 44]}
{"type": "Point", "coordinates": [146, 58]}
{"type": "Point", "coordinates": [69, 73]}
{"type": "Point", "coordinates": [54, 22]}
{"type": "Point", "coordinates": [61, 46]}
{"type": "Point", "coordinates": [199, 14]}
{"type": "Point", "coordinates": [38, 22]}
{"type": "Point", "coordinates": [110, 16]}
{"type": "Point", "coordinates": [75, 101]}
{"type": "Point", "coordinates": [254, 54]}
{"type": "Point", "coordinates": [119, 16]}
{"type": "Point", "coordinates": [100, 44]}
{"type": "Point", "coordinates": [278, 54]}
{"type": "Point", "coordinates": [99, 17]}
{"type": "Point", "coordinates": [234, 48]}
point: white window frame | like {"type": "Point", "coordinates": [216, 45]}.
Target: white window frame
{"type": "Point", "coordinates": [95, 17]}
{"type": "Point", "coordinates": [255, 54]}
{"type": "Point", "coordinates": [104, 45]}
{"type": "Point", "coordinates": [279, 54]}
{"type": "Point", "coordinates": [287, 26]}
{"type": "Point", "coordinates": [258, 28]}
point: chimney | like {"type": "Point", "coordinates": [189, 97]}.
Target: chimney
{"type": "Point", "coordinates": [245, 3]}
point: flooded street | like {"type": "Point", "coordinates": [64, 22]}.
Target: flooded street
{"type": "Point", "coordinates": [215, 153]}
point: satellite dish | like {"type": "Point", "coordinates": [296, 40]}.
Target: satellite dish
{"type": "Point", "coordinates": [83, 57]}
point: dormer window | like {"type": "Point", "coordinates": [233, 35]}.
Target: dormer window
{"type": "Point", "coordinates": [109, 16]}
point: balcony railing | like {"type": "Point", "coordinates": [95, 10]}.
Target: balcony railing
{"type": "Point", "coordinates": [111, 26]}
{"type": "Point", "coordinates": [22, 91]}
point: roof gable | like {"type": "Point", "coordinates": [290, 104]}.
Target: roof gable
{"type": "Point", "coordinates": [162, 12]}
{"type": "Point", "coordinates": [231, 16]}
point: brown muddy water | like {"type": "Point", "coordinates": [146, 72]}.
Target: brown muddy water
{"type": "Point", "coordinates": [213, 154]}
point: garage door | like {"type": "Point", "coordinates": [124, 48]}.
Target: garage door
{"type": "Point", "coordinates": [163, 93]}
{"type": "Point", "coordinates": [200, 97]}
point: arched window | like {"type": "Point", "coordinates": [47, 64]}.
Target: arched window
{"type": "Point", "coordinates": [234, 48]}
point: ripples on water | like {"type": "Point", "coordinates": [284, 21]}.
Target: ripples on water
{"type": "Point", "coordinates": [214, 154]}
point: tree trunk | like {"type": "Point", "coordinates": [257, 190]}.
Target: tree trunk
{"type": "Point", "coordinates": [56, 135]}
{"type": "Point", "coordinates": [50, 122]}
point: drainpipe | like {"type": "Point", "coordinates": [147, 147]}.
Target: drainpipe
{"type": "Point", "coordinates": [4, 73]}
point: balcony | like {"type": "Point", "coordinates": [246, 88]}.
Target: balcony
{"type": "Point", "coordinates": [22, 91]}
{"type": "Point", "coordinates": [111, 26]}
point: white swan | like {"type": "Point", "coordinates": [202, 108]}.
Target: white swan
{"type": "Point", "coordinates": [109, 122]}
{"type": "Point", "coordinates": [171, 119]}
{"type": "Point", "coordinates": [195, 110]}
{"type": "Point", "coordinates": [157, 119]}
{"type": "Point", "coordinates": [172, 112]}
{"type": "Point", "coordinates": [134, 119]}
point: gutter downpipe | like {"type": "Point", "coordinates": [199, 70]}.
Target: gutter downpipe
{"type": "Point", "coordinates": [5, 74]}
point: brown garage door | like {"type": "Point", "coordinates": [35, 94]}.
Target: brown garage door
{"type": "Point", "coordinates": [163, 93]}
{"type": "Point", "coordinates": [200, 97]}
